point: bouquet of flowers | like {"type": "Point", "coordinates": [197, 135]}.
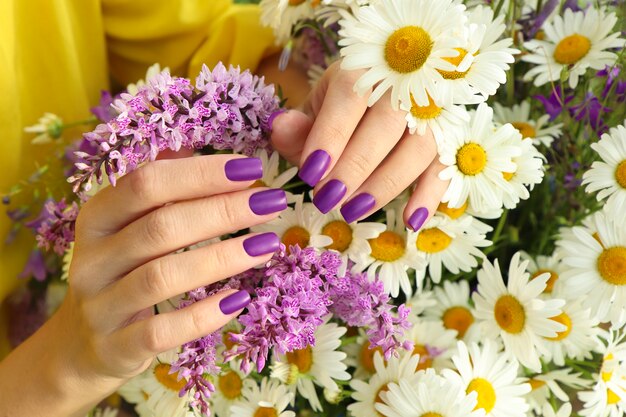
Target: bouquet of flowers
{"type": "Point", "coordinates": [510, 301]}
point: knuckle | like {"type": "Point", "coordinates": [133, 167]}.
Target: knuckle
{"type": "Point", "coordinates": [141, 182]}
{"type": "Point", "coordinates": [152, 337]}
{"type": "Point", "coordinates": [358, 165]}
{"type": "Point", "coordinates": [198, 320]}
{"type": "Point", "coordinates": [157, 229]}
{"type": "Point", "coordinates": [155, 280]}
{"type": "Point", "coordinates": [221, 259]}
{"type": "Point", "coordinates": [225, 212]}
{"type": "Point", "coordinates": [391, 182]}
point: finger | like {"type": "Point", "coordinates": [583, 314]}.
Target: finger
{"type": "Point", "coordinates": [336, 121]}
{"type": "Point", "coordinates": [426, 197]}
{"type": "Point", "coordinates": [146, 338]}
{"type": "Point", "coordinates": [289, 133]}
{"type": "Point", "coordinates": [377, 134]}
{"type": "Point", "coordinates": [182, 224]}
{"type": "Point", "coordinates": [405, 163]}
{"type": "Point", "coordinates": [169, 276]}
{"type": "Point", "coordinates": [165, 181]}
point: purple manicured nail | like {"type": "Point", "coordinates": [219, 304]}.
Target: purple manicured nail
{"type": "Point", "coordinates": [244, 169]}
{"type": "Point", "coordinates": [331, 193]}
{"type": "Point", "coordinates": [235, 302]}
{"type": "Point", "coordinates": [314, 167]}
{"type": "Point", "coordinates": [357, 207]}
{"type": "Point", "coordinates": [417, 219]}
{"type": "Point", "coordinates": [274, 115]}
{"type": "Point", "coordinates": [261, 244]}
{"type": "Point", "coordinates": [268, 201]}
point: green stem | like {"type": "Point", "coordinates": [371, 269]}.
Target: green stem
{"type": "Point", "coordinates": [89, 121]}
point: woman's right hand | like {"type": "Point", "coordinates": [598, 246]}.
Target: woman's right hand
{"type": "Point", "coordinates": [106, 332]}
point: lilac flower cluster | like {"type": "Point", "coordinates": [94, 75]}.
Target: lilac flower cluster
{"type": "Point", "coordinates": [55, 225]}
{"type": "Point", "coordinates": [226, 109]}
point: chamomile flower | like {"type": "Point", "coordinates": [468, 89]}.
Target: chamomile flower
{"type": "Point", "coordinates": [402, 44]}
{"type": "Point", "coordinates": [575, 42]}
{"type": "Point", "coordinates": [320, 363]}
{"type": "Point", "coordinates": [48, 128]}
{"type": "Point", "coordinates": [564, 411]}
{"type": "Point", "coordinates": [443, 121]}
{"type": "Point", "coordinates": [477, 161]}
{"type": "Point", "coordinates": [607, 398]}
{"type": "Point", "coordinates": [367, 394]}
{"type": "Point", "coordinates": [269, 399]}
{"type": "Point", "coordinates": [105, 412]}
{"type": "Point", "coordinates": [449, 243]}
{"type": "Point", "coordinates": [391, 256]}
{"type": "Point", "coordinates": [427, 394]}
{"type": "Point", "coordinates": [544, 264]}
{"type": "Point", "coordinates": [283, 15]}
{"type": "Point", "coordinates": [434, 343]}
{"type": "Point", "coordinates": [228, 389]}
{"type": "Point", "coordinates": [421, 303]}
{"type": "Point", "coordinates": [540, 131]}
{"type": "Point", "coordinates": [462, 212]}
{"type": "Point", "coordinates": [528, 173]}
{"type": "Point", "coordinates": [493, 376]}
{"type": "Point", "coordinates": [271, 177]}
{"type": "Point", "coordinates": [597, 271]}
{"type": "Point", "coordinates": [453, 308]}
{"type": "Point", "coordinates": [361, 357]}
{"type": "Point", "coordinates": [133, 393]}
{"type": "Point", "coordinates": [609, 175]}
{"type": "Point", "coordinates": [515, 312]}
{"type": "Point", "coordinates": [548, 384]}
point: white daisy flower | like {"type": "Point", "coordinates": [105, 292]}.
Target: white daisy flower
{"type": "Point", "coordinates": [528, 173]}
{"type": "Point", "coordinates": [391, 256]}
{"type": "Point", "coordinates": [607, 398]}
{"type": "Point", "coordinates": [609, 175]}
{"type": "Point", "coordinates": [321, 363]}
{"type": "Point", "coordinates": [434, 343]}
{"type": "Point", "coordinates": [269, 400]}
{"type": "Point", "coordinates": [104, 412]}
{"type": "Point", "coordinates": [540, 131]}
{"type": "Point", "coordinates": [402, 44]}
{"type": "Point", "coordinates": [462, 212]}
{"type": "Point", "coordinates": [329, 10]}
{"type": "Point", "coordinates": [564, 411]}
{"type": "Point", "coordinates": [540, 265]}
{"type": "Point", "coordinates": [133, 393]}
{"type": "Point", "coordinates": [271, 165]}
{"type": "Point", "coordinates": [228, 389]}
{"type": "Point", "coordinates": [613, 350]}
{"type": "Point", "coordinates": [597, 271]}
{"type": "Point", "coordinates": [444, 121]}
{"type": "Point", "coordinates": [427, 394]}
{"type": "Point", "coordinates": [361, 357]}
{"type": "Point", "coordinates": [451, 243]}
{"type": "Point", "coordinates": [477, 161]}
{"type": "Point", "coordinates": [547, 385]}
{"type": "Point", "coordinates": [515, 312]}
{"type": "Point", "coordinates": [421, 303]}
{"type": "Point", "coordinates": [493, 376]}
{"type": "Point", "coordinates": [49, 127]}
{"type": "Point", "coordinates": [367, 394]}
{"type": "Point", "coordinates": [283, 15]}
{"type": "Point", "coordinates": [453, 309]}
{"type": "Point", "coordinates": [575, 42]}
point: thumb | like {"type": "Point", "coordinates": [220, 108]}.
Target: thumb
{"type": "Point", "coordinates": [289, 133]}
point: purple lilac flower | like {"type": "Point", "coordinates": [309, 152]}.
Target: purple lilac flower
{"type": "Point", "coordinates": [554, 104]}
{"type": "Point", "coordinates": [613, 85]}
{"type": "Point", "coordinates": [56, 227]}
{"type": "Point", "coordinates": [591, 111]}
{"type": "Point", "coordinates": [104, 111]}
{"type": "Point", "coordinates": [226, 109]}
{"type": "Point", "coordinates": [35, 266]}
{"type": "Point", "coordinates": [533, 22]}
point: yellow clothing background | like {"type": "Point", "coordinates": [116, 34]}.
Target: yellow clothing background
{"type": "Point", "coordinates": [57, 55]}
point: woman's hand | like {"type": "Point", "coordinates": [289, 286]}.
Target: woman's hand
{"type": "Point", "coordinates": [106, 332]}
{"type": "Point", "coordinates": [358, 156]}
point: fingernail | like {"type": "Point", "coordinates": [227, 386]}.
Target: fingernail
{"type": "Point", "coordinates": [274, 115]}
{"type": "Point", "coordinates": [261, 244]}
{"type": "Point", "coordinates": [235, 302]}
{"type": "Point", "coordinates": [331, 193]}
{"type": "Point", "coordinates": [417, 219]}
{"type": "Point", "coordinates": [244, 169]}
{"type": "Point", "coordinates": [314, 167]}
{"type": "Point", "coordinates": [357, 207]}
{"type": "Point", "coordinates": [268, 201]}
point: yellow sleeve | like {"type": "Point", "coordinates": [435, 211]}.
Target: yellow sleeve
{"type": "Point", "coordinates": [182, 35]}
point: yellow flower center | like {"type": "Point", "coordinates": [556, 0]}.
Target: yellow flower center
{"type": "Point", "coordinates": [540, 35]}
{"type": "Point", "coordinates": [296, 235]}
{"type": "Point", "coordinates": [302, 358]}
{"type": "Point", "coordinates": [258, 184]}
{"type": "Point", "coordinates": [367, 357]}
{"type": "Point", "coordinates": [426, 361]}
{"type": "Point", "coordinates": [230, 385]}
{"type": "Point", "coordinates": [620, 174]}
{"type": "Point", "coordinates": [508, 176]}
{"type": "Point", "coordinates": [612, 265]}
{"type": "Point", "coordinates": [471, 159]}
{"type": "Point", "coordinates": [455, 75]}
{"type": "Point", "coordinates": [453, 213]}
{"type": "Point", "coordinates": [296, 2]}
{"type": "Point", "coordinates": [265, 412]}
{"type": "Point", "coordinates": [565, 320]}
{"type": "Point", "coordinates": [458, 318]}
{"type": "Point", "coordinates": [407, 49]}
{"type": "Point", "coordinates": [509, 314]}
{"type": "Point", "coordinates": [425, 112]}
{"type": "Point", "coordinates": [340, 232]}
{"type": "Point", "coordinates": [525, 129]}
{"type": "Point", "coordinates": [169, 381]}
{"type": "Point", "coordinates": [536, 383]}
{"type": "Point", "coordinates": [611, 397]}
{"type": "Point", "coordinates": [606, 375]}
{"type": "Point", "coordinates": [572, 49]}
{"type": "Point", "coordinates": [551, 281]}
{"type": "Point", "coordinates": [596, 236]}
{"type": "Point", "coordinates": [387, 247]}
{"type": "Point", "coordinates": [432, 240]}
{"type": "Point", "coordinates": [485, 392]}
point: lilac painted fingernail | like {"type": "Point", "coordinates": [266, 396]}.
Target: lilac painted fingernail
{"type": "Point", "coordinates": [314, 167]}
{"type": "Point", "coordinates": [331, 193]}
{"type": "Point", "coordinates": [357, 207]}
{"type": "Point", "coordinates": [235, 302]}
{"type": "Point", "coordinates": [417, 219]}
{"type": "Point", "coordinates": [274, 115]}
{"type": "Point", "coordinates": [268, 201]}
{"type": "Point", "coordinates": [244, 169]}
{"type": "Point", "coordinates": [261, 244]}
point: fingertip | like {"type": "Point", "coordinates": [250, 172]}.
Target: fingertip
{"type": "Point", "coordinates": [289, 133]}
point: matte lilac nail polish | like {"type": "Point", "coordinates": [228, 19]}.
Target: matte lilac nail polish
{"type": "Point", "coordinates": [235, 302]}
{"type": "Point", "coordinates": [274, 115]}
{"type": "Point", "coordinates": [314, 167]}
{"type": "Point", "coordinates": [244, 169]}
{"type": "Point", "coordinates": [357, 207]}
{"type": "Point", "coordinates": [268, 201]}
{"type": "Point", "coordinates": [261, 244]}
{"type": "Point", "coordinates": [331, 193]}
{"type": "Point", "coordinates": [417, 219]}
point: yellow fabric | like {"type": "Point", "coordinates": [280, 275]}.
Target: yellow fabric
{"type": "Point", "coordinates": [57, 55]}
